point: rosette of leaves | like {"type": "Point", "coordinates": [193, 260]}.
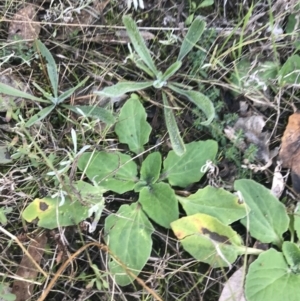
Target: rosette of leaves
{"type": "Point", "coordinates": [160, 80]}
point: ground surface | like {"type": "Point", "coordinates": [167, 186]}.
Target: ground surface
{"type": "Point", "coordinates": [91, 42]}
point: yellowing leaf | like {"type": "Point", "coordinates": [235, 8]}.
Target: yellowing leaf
{"type": "Point", "coordinates": [50, 215]}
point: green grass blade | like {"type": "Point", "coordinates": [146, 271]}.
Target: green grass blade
{"type": "Point", "coordinates": [200, 100]}
{"type": "Point", "coordinates": [139, 43]}
{"type": "Point", "coordinates": [122, 88]}
{"type": "Point", "coordinates": [39, 116]}
{"type": "Point", "coordinates": [176, 140]}
{"type": "Point", "coordinates": [51, 66]}
{"type": "Point", "coordinates": [192, 37]}
{"type": "Point", "coordinates": [5, 89]}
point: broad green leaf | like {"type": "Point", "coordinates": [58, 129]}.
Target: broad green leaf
{"type": "Point", "coordinates": [200, 100]}
{"type": "Point", "coordinates": [151, 167]}
{"type": "Point", "coordinates": [208, 240]}
{"type": "Point", "coordinates": [4, 155]}
{"type": "Point", "coordinates": [171, 70]}
{"type": "Point", "coordinates": [191, 38]}
{"type": "Point", "coordinates": [216, 202]}
{"type": "Point", "coordinates": [50, 215]}
{"type": "Point", "coordinates": [270, 278]}
{"type": "Point", "coordinates": [5, 89]}
{"type": "Point", "coordinates": [128, 234]}
{"type": "Point", "coordinates": [51, 66]}
{"type": "Point", "coordinates": [132, 127]}
{"type": "Point", "coordinates": [5, 294]}
{"type": "Point", "coordinates": [176, 140]}
{"type": "Point", "coordinates": [90, 194]}
{"type": "Point", "coordinates": [267, 220]}
{"type": "Point", "coordinates": [92, 197]}
{"type": "Point", "coordinates": [112, 171]}
{"type": "Point", "coordinates": [160, 204]}
{"type": "Point", "coordinates": [291, 253]}
{"type": "Point", "coordinates": [251, 79]}
{"type": "Point", "coordinates": [122, 88]}
{"type": "Point", "coordinates": [94, 112]}
{"type": "Point", "coordinates": [69, 92]}
{"type": "Point", "coordinates": [139, 43]}
{"type": "Point", "coordinates": [186, 169]}
{"type": "Point", "coordinates": [39, 116]}
{"type": "Point", "coordinates": [296, 219]}
{"type": "Point", "coordinates": [289, 74]}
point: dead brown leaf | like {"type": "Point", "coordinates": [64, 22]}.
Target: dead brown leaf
{"type": "Point", "coordinates": [22, 27]}
{"type": "Point", "coordinates": [27, 270]}
{"type": "Point", "coordinates": [290, 149]}
{"type": "Point", "coordinates": [86, 17]}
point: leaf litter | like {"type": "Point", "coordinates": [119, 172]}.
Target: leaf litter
{"type": "Point", "coordinates": [24, 25]}
{"type": "Point", "coordinates": [23, 289]}
{"type": "Point", "coordinates": [290, 149]}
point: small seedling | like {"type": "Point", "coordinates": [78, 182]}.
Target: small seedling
{"type": "Point", "coordinates": [160, 80]}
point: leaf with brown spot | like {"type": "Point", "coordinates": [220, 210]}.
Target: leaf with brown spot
{"type": "Point", "coordinates": [27, 270]}
{"type": "Point", "coordinates": [290, 149]}
{"type": "Point", "coordinates": [207, 239]}
{"type": "Point", "coordinates": [23, 26]}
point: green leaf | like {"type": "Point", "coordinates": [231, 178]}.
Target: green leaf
{"type": "Point", "coordinates": [151, 167]}
{"type": "Point", "coordinates": [69, 92]}
{"type": "Point", "coordinates": [289, 74]}
{"type": "Point", "coordinates": [208, 240]}
{"type": "Point", "coordinates": [92, 197]}
{"type": "Point", "coordinates": [186, 169]}
{"type": "Point", "coordinates": [245, 78]}
{"type": "Point", "coordinates": [5, 89]}
{"type": "Point", "coordinates": [171, 70]}
{"type": "Point", "coordinates": [139, 43]}
{"type": "Point", "coordinates": [51, 66]}
{"type": "Point", "coordinates": [160, 204]}
{"type": "Point", "coordinates": [112, 171]}
{"type": "Point", "coordinates": [5, 294]}
{"type": "Point", "coordinates": [176, 140]}
{"type": "Point", "coordinates": [132, 127]}
{"type": "Point", "coordinates": [90, 194]}
{"type": "Point", "coordinates": [129, 239]}
{"type": "Point", "coordinates": [267, 220]}
{"type": "Point", "coordinates": [45, 93]}
{"type": "Point", "coordinates": [3, 212]}
{"type": "Point", "coordinates": [123, 87]}
{"type": "Point", "coordinates": [216, 202]}
{"type": "Point", "coordinates": [200, 100]}
{"type": "Point", "coordinates": [191, 38]}
{"type": "Point", "coordinates": [296, 218]}
{"type": "Point", "coordinates": [39, 116]}
{"type": "Point", "coordinates": [291, 253]}
{"type": "Point", "coordinates": [94, 112]}
{"type": "Point", "coordinates": [270, 278]}
{"type": "Point", "coordinates": [50, 215]}
{"type": "Point", "coordinates": [206, 3]}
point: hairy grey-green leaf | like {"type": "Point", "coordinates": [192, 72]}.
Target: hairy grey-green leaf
{"type": "Point", "coordinates": [176, 140]}
{"type": "Point", "coordinates": [123, 87]}
{"type": "Point", "coordinates": [192, 37]}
